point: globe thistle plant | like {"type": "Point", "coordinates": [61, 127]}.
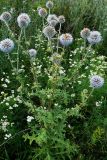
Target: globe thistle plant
{"type": "Point", "coordinates": [42, 12]}
{"type": "Point", "coordinates": [66, 39]}
{"type": "Point", "coordinates": [23, 20]}
{"type": "Point", "coordinates": [6, 45]}
{"type": "Point", "coordinates": [49, 4]}
{"type": "Point", "coordinates": [49, 32]}
{"type": "Point", "coordinates": [85, 33]}
{"type": "Point", "coordinates": [32, 53]}
{"type": "Point", "coordinates": [94, 37]}
{"type": "Point", "coordinates": [6, 17]}
{"type": "Point", "coordinates": [96, 81]}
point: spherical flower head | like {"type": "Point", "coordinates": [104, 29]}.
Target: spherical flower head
{"type": "Point", "coordinates": [5, 16]}
{"type": "Point", "coordinates": [23, 20]}
{"type": "Point", "coordinates": [6, 45]}
{"type": "Point", "coordinates": [61, 19]}
{"type": "Point", "coordinates": [66, 39]}
{"type": "Point", "coordinates": [96, 81]}
{"type": "Point", "coordinates": [94, 37]}
{"type": "Point", "coordinates": [85, 33]}
{"type": "Point", "coordinates": [49, 32]}
{"type": "Point", "coordinates": [49, 4]}
{"type": "Point", "coordinates": [42, 12]}
{"type": "Point", "coordinates": [32, 53]}
{"type": "Point", "coordinates": [56, 58]}
{"type": "Point", "coordinates": [52, 19]}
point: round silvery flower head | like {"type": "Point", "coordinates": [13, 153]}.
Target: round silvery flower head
{"type": "Point", "coordinates": [6, 45]}
{"type": "Point", "coordinates": [56, 58]}
{"type": "Point", "coordinates": [94, 37]}
{"type": "Point", "coordinates": [49, 32]}
{"type": "Point", "coordinates": [5, 16]}
{"type": "Point", "coordinates": [66, 39]}
{"type": "Point", "coordinates": [85, 33]}
{"type": "Point", "coordinates": [49, 4]}
{"type": "Point", "coordinates": [42, 12]}
{"type": "Point", "coordinates": [61, 19]}
{"type": "Point", "coordinates": [23, 20]}
{"type": "Point", "coordinates": [32, 53]}
{"type": "Point", "coordinates": [52, 19]}
{"type": "Point", "coordinates": [96, 81]}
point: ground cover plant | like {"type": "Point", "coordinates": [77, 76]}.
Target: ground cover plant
{"type": "Point", "coordinates": [53, 87]}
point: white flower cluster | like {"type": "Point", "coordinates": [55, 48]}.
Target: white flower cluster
{"type": "Point", "coordinates": [4, 123]}
{"type": "Point", "coordinates": [29, 118]}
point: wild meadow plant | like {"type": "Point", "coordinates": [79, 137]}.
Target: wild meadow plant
{"type": "Point", "coordinates": [54, 97]}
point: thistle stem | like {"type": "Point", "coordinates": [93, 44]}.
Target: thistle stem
{"type": "Point", "coordinates": [58, 37]}
{"type": "Point", "coordinates": [19, 39]}
{"type": "Point", "coordinates": [9, 58]}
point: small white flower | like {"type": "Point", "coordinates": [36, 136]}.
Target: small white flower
{"type": "Point", "coordinates": [85, 33]}
{"type": "Point", "coordinates": [6, 45]}
{"type": "Point", "coordinates": [7, 136]}
{"type": "Point", "coordinates": [4, 85]}
{"type": "Point", "coordinates": [15, 105]}
{"type": "Point", "coordinates": [32, 53]}
{"type": "Point", "coordinates": [49, 4]}
{"type": "Point", "coordinates": [7, 81]}
{"type": "Point", "coordinates": [96, 81]}
{"type": "Point", "coordinates": [5, 16]}
{"type": "Point", "coordinates": [29, 118]}
{"type": "Point", "coordinates": [94, 37]}
{"type": "Point", "coordinates": [66, 39]}
{"type": "Point", "coordinates": [49, 32]}
{"type": "Point", "coordinates": [23, 20]}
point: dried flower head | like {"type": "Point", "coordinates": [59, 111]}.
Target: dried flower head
{"type": "Point", "coordinates": [23, 20]}
{"type": "Point", "coordinates": [66, 39]}
{"type": "Point", "coordinates": [5, 16]}
{"type": "Point", "coordinates": [94, 37]}
{"type": "Point", "coordinates": [96, 81]}
{"type": "Point", "coordinates": [56, 58]}
{"type": "Point", "coordinates": [61, 19]}
{"type": "Point", "coordinates": [42, 12]}
{"type": "Point", "coordinates": [85, 33]}
{"type": "Point", "coordinates": [6, 45]}
{"type": "Point", "coordinates": [49, 32]}
{"type": "Point", "coordinates": [32, 53]}
{"type": "Point", "coordinates": [49, 4]}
